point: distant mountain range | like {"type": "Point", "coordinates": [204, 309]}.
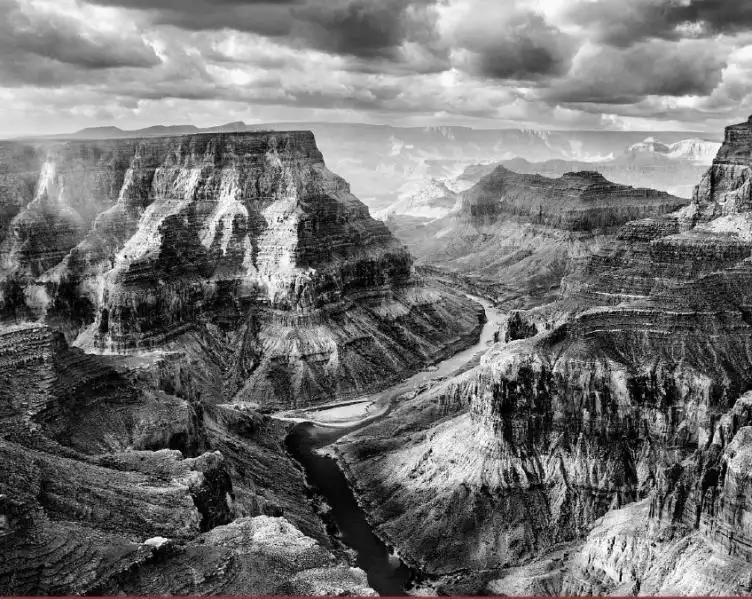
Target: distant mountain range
{"type": "Point", "coordinates": [694, 149]}
{"type": "Point", "coordinates": [383, 163]}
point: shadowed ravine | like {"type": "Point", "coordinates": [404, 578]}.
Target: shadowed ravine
{"type": "Point", "coordinates": [387, 574]}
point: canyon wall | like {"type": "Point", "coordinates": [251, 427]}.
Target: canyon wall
{"type": "Point", "coordinates": [242, 245]}
{"type": "Point", "coordinates": [636, 393]}
{"type": "Point", "coordinates": [157, 297]}
{"type": "Point", "coordinates": [519, 235]}
{"type": "Point", "coordinates": [109, 484]}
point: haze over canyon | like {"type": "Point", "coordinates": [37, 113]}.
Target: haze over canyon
{"type": "Point", "coordinates": [354, 298]}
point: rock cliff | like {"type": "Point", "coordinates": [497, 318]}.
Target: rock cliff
{"type": "Point", "coordinates": [242, 248]}
{"type": "Point", "coordinates": [578, 201]}
{"type": "Point", "coordinates": [636, 393]}
{"type": "Point", "coordinates": [111, 485]}
{"type": "Point", "coordinates": [159, 295]}
{"type": "Point", "coordinates": [518, 235]}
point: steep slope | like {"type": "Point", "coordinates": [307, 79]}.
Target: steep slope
{"type": "Point", "coordinates": [110, 484]}
{"type": "Point", "coordinates": [520, 234]}
{"type": "Point", "coordinates": [640, 394]}
{"type": "Point", "coordinates": [241, 249]}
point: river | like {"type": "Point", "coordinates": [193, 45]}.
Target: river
{"type": "Point", "coordinates": [387, 574]}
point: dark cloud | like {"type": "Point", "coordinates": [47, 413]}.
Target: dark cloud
{"type": "Point", "coordinates": [609, 75]}
{"type": "Point", "coordinates": [52, 49]}
{"type": "Point", "coordinates": [360, 28]}
{"type": "Point", "coordinates": [514, 45]}
{"type": "Point", "coordinates": [61, 39]}
{"type": "Point", "coordinates": [497, 59]}
{"type": "Point", "coordinates": [253, 16]}
{"type": "Point", "coordinates": [625, 22]}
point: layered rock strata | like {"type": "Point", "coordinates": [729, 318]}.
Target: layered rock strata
{"type": "Point", "coordinates": [244, 241]}
{"type": "Point", "coordinates": [519, 235]}
{"type": "Point", "coordinates": [109, 484]}
{"type": "Point", "coordinates": [579, 201]}
{"type": "Point", "coordinates": [637, 394]}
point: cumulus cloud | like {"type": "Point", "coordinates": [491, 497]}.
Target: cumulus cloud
{"type": "Point", "coordinates": [361, 28]}
{"type": "Point", "coordinates": [358, 27]}
{"type": "Point", "coordinates": [606, 75]}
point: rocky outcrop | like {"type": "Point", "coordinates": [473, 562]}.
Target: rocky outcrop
{"type": "Point", "coordinates": [157, 295]}
{"type": "Point", "coordinates": [242, 244]}
{"type": "Point", "coordinates": [636, 394]}
{"type": "Point", "coordinates": [579, 201]}
{"type": "Point", "coordinates": [106, 479]}
{"type": "Point", "coordinates": [520, 235]}
{"type": "Point", "coordinates": [135, 524]}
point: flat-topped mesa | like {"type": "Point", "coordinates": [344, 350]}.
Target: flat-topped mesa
{"type": "Point", "coordinates": [127, 245]}
{"type": "Point", "coordinates": [593, 176]}
{"type": "Point", "coordinates": [257, 209]}
{"type": "Point", "coordinates": [578, 201]}
{"type": "Point", "coordinates": [255, 216]}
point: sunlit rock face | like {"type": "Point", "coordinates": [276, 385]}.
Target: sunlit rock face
{"type": "Point", "coordinates": [519, 234]}
{"type": "Point", "coordinates": [638, 394]}
{"type": "Point", "coordinates": [725, 188]}
{"type": "Point", "coordinates": [577, 201]}
{"type": "Point", "coordinates": [246, 242]}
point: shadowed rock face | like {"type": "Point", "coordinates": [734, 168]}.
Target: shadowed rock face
{"type": "Point", "coordinates": [109, 484]}
{"type": "Point", "coordinates": [638, 393]}
{"type": "Point", "coordinates": [243, 245]}
{"type": "Point", "coordinates": [157, 293]}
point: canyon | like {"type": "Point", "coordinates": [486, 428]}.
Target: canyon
{"type": "Point", "coordinates": [175, 309]}
{"type": "Point", "coordinates": [160, 297]}
{"type": "Point", "coordinates": [602, 445]}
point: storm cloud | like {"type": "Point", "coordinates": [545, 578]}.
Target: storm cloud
{"type": "Point", "coordinates": [517, 44]}
{"type": "Point", "coordinates": [361, 28]}
{"type": "Point", "coordinates": [605, 75]}
{"type": "Point", "coordinates": [532, 63]}
{"type": "Point", "coordinates": [624, 23]}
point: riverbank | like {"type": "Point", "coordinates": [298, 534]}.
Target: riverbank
{"type": "Point", "coordinates": [312, 443]}
{"type": "Point", "coordinates": [361, 411]}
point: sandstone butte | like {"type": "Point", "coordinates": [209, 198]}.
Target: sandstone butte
{"type": "Point", "coordinates": [603, 446]}
{"type": "Point", "coordinates": [158, 297]}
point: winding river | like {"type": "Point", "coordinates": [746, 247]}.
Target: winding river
{"type": "Point", "coordinates": [387, 574]}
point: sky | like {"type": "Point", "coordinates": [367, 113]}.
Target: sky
{"type": "Point", "coordinates": [541, 64]}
